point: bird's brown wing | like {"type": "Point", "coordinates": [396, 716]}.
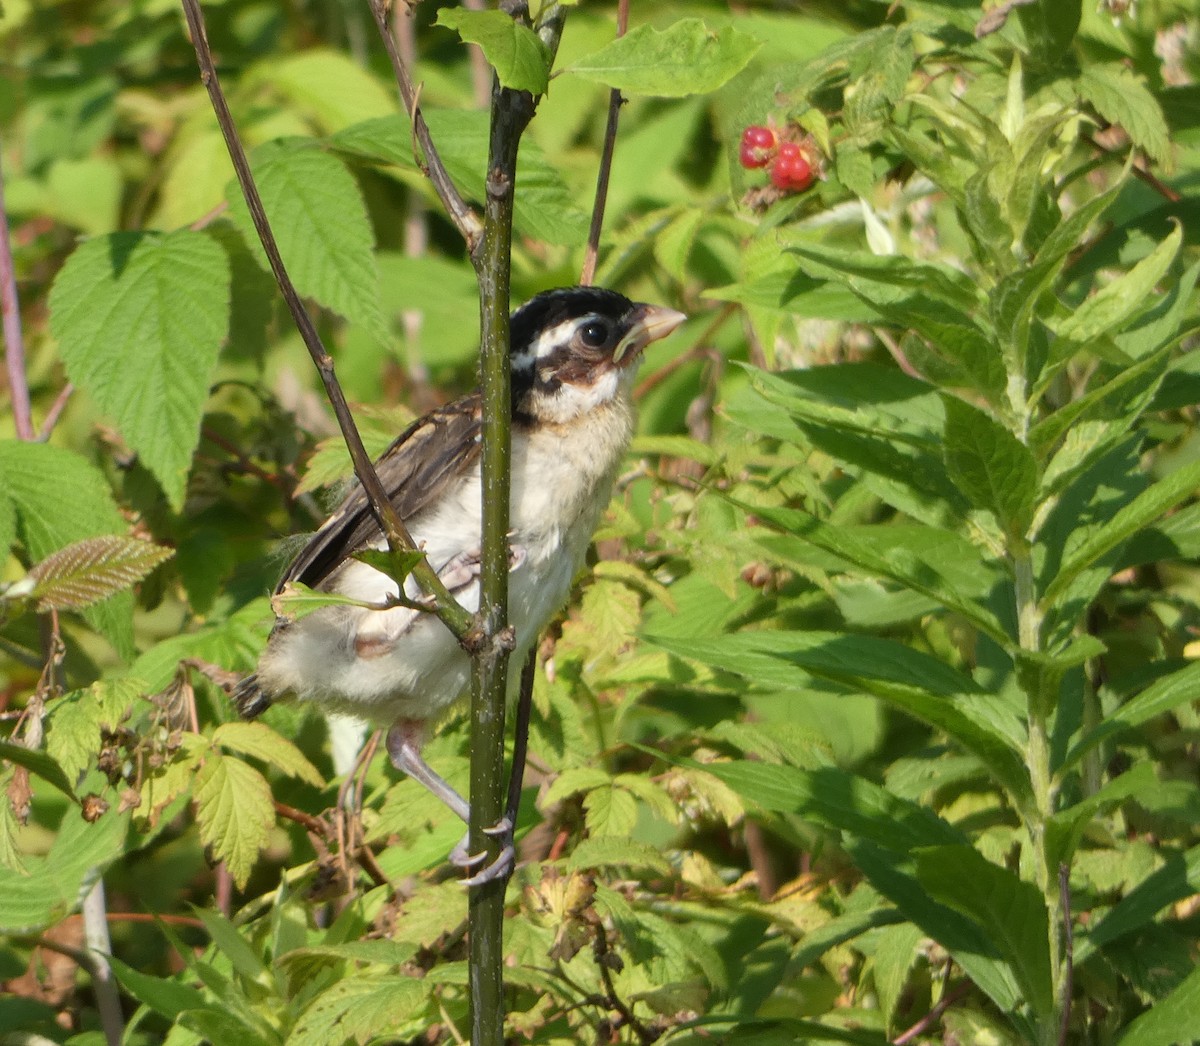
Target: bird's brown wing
{"type": "Point", "coordinates": [415, 471]}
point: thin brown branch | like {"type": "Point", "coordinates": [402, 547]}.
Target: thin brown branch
{"type": "Point", "coordinates": [615, 101]}
{"type": "Point", "coordinates": [1068, 986]}
{"type": "Point", "coordinates": [55, 412]}
{"type": "Point", "coordinates": [14, 344]}
{"type": "Point", "coordinates": [1140, 172]}
{"type": "Point", "coordinates": [605, 961]}
{"type": "Point", "coordinates": [454, 616]}
{"type": "Point", "coordinates": [947, 1000]}
{"type": "Point", "coordinates": [460, 212]}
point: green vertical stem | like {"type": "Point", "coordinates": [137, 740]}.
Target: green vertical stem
{"type": "Point", "coordinates": [1039, 697]}
{"type": "Point", "coordinates": [511, 112]}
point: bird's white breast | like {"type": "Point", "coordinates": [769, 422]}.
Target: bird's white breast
{"type": "Point", "coordinates": [561, 480]}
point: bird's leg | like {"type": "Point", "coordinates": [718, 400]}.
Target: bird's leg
{"type": "Point", "coordinates": [404, 747]}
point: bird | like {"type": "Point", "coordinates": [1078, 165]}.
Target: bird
{"type": "Point", "coordinates": [573, 355]}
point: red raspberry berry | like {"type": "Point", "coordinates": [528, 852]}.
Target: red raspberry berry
{"type": "Point", "coordinates": [758, 146]}
{"type": "Point", "coordinates": [790, 170]}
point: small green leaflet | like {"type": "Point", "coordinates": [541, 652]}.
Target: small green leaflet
{"type": "Point", "coordinates": [990, 465]}
{"type": "Point", "coordinates": [93, 569]}
{"type": "Point", "coordinates": [515, 51]}
{"type": "Point", "coordinates": [235, 812]}
{"type": "Point", "coordinates": [140, 318]}
{"type": "Point", "coordinates": [688, 58]}
{"type": "Point", "coordinates": [1111, 308]}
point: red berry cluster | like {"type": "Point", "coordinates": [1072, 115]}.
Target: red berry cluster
{"type": "Point", "coordinates": [789, 167]}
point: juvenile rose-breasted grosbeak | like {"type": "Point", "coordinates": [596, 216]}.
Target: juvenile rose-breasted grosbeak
{"type": "Point", "coordinates": [574, 353]}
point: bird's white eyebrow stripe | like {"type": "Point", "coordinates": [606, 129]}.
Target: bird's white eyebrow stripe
{"type": "Point", "coordinates": [549, 340]}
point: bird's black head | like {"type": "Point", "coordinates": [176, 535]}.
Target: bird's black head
{"type": "Point", "coordinates": [575, 349]}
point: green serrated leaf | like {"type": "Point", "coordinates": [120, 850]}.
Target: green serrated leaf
{"type": "Point", "coordinates": [1141, 512]}
{"type": "Point", "coordinates": [1171, 1020]}
{"type": "Point", "coordinates": [52, 886]}
{"type": "Point", "coordinates": [1122, 97]}
{"type": "Point", "coordinates": [260, 741]}
{"type": "Point", "coordinates": [361, 1008]}
{"type": "Point", "coordinates": [1160, 697]}
{"type": "Point", "coordinates": [686, 58]}
{"type": "Point", "coordinates": [990, 465]}
{"type": "Point", "coordinates": [93, 569]}
{"type": "Point", "coordinates": [609, 811]}
{"type": "Point", "coordinates": [614, 852]}
{"type": "Point", "coordinates": [140, 318]}
{"type": "Point", "coordinates": [841, 800]}
{"type": "Point", "coordinates": [320, 222]}
{"type": "Point", "coordinates": [235, 812]}
{"type": "Point", "coordinates": [515, 51]}
{"type": "Point", "coordinates": [396, 565]}
{"type": "Point", "coordinates": [1111, 308]}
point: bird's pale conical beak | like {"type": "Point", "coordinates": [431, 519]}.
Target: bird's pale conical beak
{"type": "Point", "coordinates": [650, 323]}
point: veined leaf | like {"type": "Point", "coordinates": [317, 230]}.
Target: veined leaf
{"type": "Point", "coordinates": [990, 465]}
{"type": "Point", "coordinates": [93, 569]}
{"type": "Point", "coordinates": [52, 886]}
{"type": "Point", "coordinates": [893, 875]}
{"type": "Point", "coordinates": [839, 800]}
{"type": "Point", "coordinates": [39, 763]}
{"type": "Point", "coordinates": [1122, 97]}
{"type": "Point", "coordinates": [260, 741]}
{"type": "Point", "coordinates": [1144, 510]}
{"type": "Point", "coordinates": [515, 51]}
{"type": "Point", "coordinates": [1171, 1020]}
{"type": "Point", "coordinates": [1161, 696]}
{"type": "Point", "coordinates": [235, 812]}
{"type": "Point", "coordinates": [917, 683]}
{"type": "Point", "coordinates": [1179, 877]}
{"type": "Point", "coordinates": [320, 222]}
{"type": "Point", "coordinates": [687, 58]}
{"type": "Point", "coordinates": [903, 570]}
{"type": "Point", "coordinates": [140, 318]}
{"type": "Point", "coordinates": [1111, 308]}
{"type": "Point", "coordinates": [1008, 908]}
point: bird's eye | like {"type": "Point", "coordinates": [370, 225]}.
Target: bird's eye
{"type": "Point", "coordinates": [594, 333]}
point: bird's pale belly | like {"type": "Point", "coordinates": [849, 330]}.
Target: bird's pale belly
{"type": "Point", "coordinates": [385, 665]}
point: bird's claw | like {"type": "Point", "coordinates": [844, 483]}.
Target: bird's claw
{"type": "Point", "coordinates": [499, 868]}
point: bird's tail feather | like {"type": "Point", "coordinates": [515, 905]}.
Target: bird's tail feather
{"type": "Point", "coordinates": [250, 699]}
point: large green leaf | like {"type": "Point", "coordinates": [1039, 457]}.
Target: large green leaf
{"type": "Point", "coordinates": [1011, 910]}
{"type": "Point", "coordinates": [52, 887]}
{"type": "Point", "coordinates": [839, 800]}
{"type": "Point", "coordinates": [686, 58]}
{"type": "Point", "coordinates": [919, 684]}
{"type": "Point", "coordinates": [235, 812]}
{"type": "Point", "coordinates": [139, 320]}
{"type": "Point", "coordinates": [1144, 510]}
{"type": "Point", "coordinates": [545, 207]}
{"type": "Point", "coordinates": [893, 875]}
{"type": "Point", "coordinates": [1161, 696]}
{"type": "Point", "coordinates": [1122, 97]}
{"type": "Point", "coordinates": [320, 223]}
{"type": "Point", "coordinates": [516, 52]}
{"type": "Point", "coordinates": [1114, 306]}
{"type": "Point", "coordinates": [1169, 1020]}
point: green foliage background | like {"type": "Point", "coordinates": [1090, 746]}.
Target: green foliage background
{"type": "Point", "coordinates": [876, 711]}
